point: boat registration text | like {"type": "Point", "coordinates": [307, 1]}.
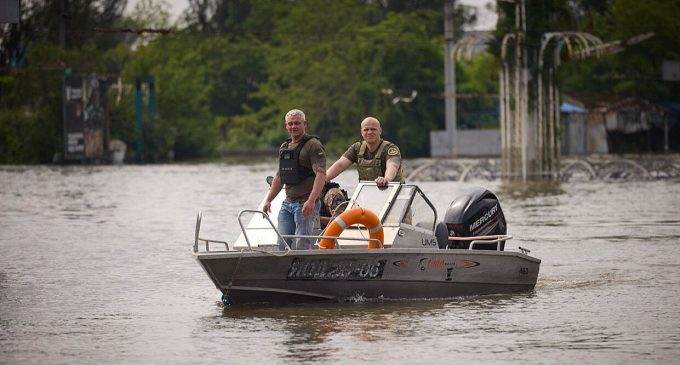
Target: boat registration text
{"type": "Point", "coordinates": [347, 269]}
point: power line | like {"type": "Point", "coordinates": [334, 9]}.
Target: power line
{"type": "Point", "coordinates": [137, 30]}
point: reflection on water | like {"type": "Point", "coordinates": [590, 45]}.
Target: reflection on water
{"type": "Point", "coordinates": [96, 266]}
{"type": "Point", "coordinates": [519, 191]}
{"type": "Point", "coordinates": [311, 330]}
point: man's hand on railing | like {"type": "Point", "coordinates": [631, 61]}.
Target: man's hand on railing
{"type": "Point", "coordinates": [267, 207]}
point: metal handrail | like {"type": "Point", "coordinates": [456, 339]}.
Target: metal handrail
{"type": "Point", "coordinates": [282, 237]}
{"type": "Point", "coordinates": [489, 239]}
{"type": "Point", "coordinates": [335, 238]}
{"type": "Point", "coordinates": [207, 243]}
{"type": "Point", "coordinates": [207, 247]}
{"type": "Point", "coordinates": [199, 216]}
{"type": "Point", "coordinates": [483, 239]}
{"type": "Point", "coordinates": [266, 216]}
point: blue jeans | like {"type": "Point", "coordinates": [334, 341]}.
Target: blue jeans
{"type": "Point", "coordinates": [291, 221]}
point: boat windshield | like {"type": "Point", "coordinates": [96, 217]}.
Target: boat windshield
{"type": "Point", "coordinates": [400, 206]}
{"type": "Point", "coordinates": [373, 198]}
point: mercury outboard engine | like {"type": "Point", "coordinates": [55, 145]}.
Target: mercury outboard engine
{"type": "Point", "coordinates": [476, 212]}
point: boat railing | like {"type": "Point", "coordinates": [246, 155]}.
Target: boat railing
{"type": "Point", "coordinates": [199, 240]}
{"type": "Point", "coordinates": [265, 216]}
{"type": "Point", "coordinates": [477, 240]}
{"type": "Point", "coordinates": [283, 236]}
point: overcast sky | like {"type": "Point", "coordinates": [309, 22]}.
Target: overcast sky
{"type": "Point", "coordinates": [486, 18]}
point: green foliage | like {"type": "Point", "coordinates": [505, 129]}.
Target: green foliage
{"type": "Point", "coordinates": [30, 94]}
{"type": "Point", "coordinates": [636, 71]}
{"type": "Point", "coordinates": [228, 76]}
{"type": "Point", "coordinates": [334, 65]}
{"type": "Point", "coordinates": [29, 130]}
{"type": "Point", "coordinates": [479, 76]}
{"type": "Point", "coordinates": [476, 83]}
{"type": "Point", "coordinates": [41, 21]}
{"type": "Point", "coordinates": [201, 83]}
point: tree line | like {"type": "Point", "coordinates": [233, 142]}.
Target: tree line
{"type": "Point", "coordinates": [227, 72]}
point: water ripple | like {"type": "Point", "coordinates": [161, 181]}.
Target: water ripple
{"type": "Point", "coordinates": [96, 267]}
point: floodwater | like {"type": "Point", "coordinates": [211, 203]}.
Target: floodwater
{"type": "Point", "coordinates": [96, 267]}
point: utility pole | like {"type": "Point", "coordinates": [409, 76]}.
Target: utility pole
{"type": "Point", "coordinates": [144, 134]}
{"type": "Point", "coordinates": [449, 76]}
{"type": "Point", "coordinates": [63, 18]}
{"type": "Point", "coordinates": [139, 121]}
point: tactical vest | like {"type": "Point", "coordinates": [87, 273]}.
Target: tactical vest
{"type": "Point", "coordinates": [374, 168]}
{"type": "Point", "coordinates": [290, 170]}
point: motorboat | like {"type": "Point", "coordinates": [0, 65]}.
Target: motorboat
{"type": "Point", "coordinates": [384, 243]}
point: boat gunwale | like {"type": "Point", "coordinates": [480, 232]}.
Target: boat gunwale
{"type": "Point", "coordinates": [212, 255]}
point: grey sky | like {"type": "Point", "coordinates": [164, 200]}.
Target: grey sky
{"type": "Point", "coordinates": [486, 18]}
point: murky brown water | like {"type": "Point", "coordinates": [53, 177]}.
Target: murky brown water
{"type": "Point", "coordinates": [96, 267]}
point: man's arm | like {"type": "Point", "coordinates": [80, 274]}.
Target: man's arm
{"type": "Point", "coordinates": [391, 169]}
{"type": "Point", "coordinates": [273, 192]}
{"type": "Point", "coordinates": [319, 182]}
{"type": "Point", "coordinates": [339, 166]}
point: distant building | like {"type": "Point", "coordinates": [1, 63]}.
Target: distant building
{"type": "Point", "coordinates": [634, 125]}
{"type": "Point", "coordinates": [583, 133]}
{"type": "Point", "coordinates": [627, 125]}
{"type": "Point", "coordinates": [624, 125]}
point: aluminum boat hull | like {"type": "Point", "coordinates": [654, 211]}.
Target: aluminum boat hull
{"type": "Point", "coordinates": [350, 274]}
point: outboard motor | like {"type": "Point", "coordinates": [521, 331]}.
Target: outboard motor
{"type": "Point", "coordinates": [476, 212]}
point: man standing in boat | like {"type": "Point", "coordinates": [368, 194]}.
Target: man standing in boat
{"type": "Point", "coordinates": [377, 160]}
{"type": "Point", "coordinates": [302, 170]}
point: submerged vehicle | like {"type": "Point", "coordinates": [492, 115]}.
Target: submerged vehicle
{"type": "Point", "coordinates": [387, 243]}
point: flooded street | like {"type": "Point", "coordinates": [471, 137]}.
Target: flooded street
{"type": "Point", "coordinates": [96, 267]}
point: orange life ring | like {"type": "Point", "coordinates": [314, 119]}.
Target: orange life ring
{"type": "Point", "coordinates": [353, 216]}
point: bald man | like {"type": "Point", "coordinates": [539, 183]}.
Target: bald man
{"type": "Point", "coordinates": [377, 160]}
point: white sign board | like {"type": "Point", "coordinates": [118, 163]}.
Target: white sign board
{"type": "Point", "coordinates": [670, 71]}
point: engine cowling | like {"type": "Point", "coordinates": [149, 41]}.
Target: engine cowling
{"type": "Point", "coordinates": [476, 212]}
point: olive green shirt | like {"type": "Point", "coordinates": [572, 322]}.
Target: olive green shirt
{"type": "Point", "coordinates": [311, 153]}
{"type": "Point", "coordinates": [388, 152]}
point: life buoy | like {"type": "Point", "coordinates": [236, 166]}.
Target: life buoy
{"type": "Point", "coordinates": [354, 216]}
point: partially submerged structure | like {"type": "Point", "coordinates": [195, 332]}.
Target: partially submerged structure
{"type": "Point", "coordinates": [619, 125]}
